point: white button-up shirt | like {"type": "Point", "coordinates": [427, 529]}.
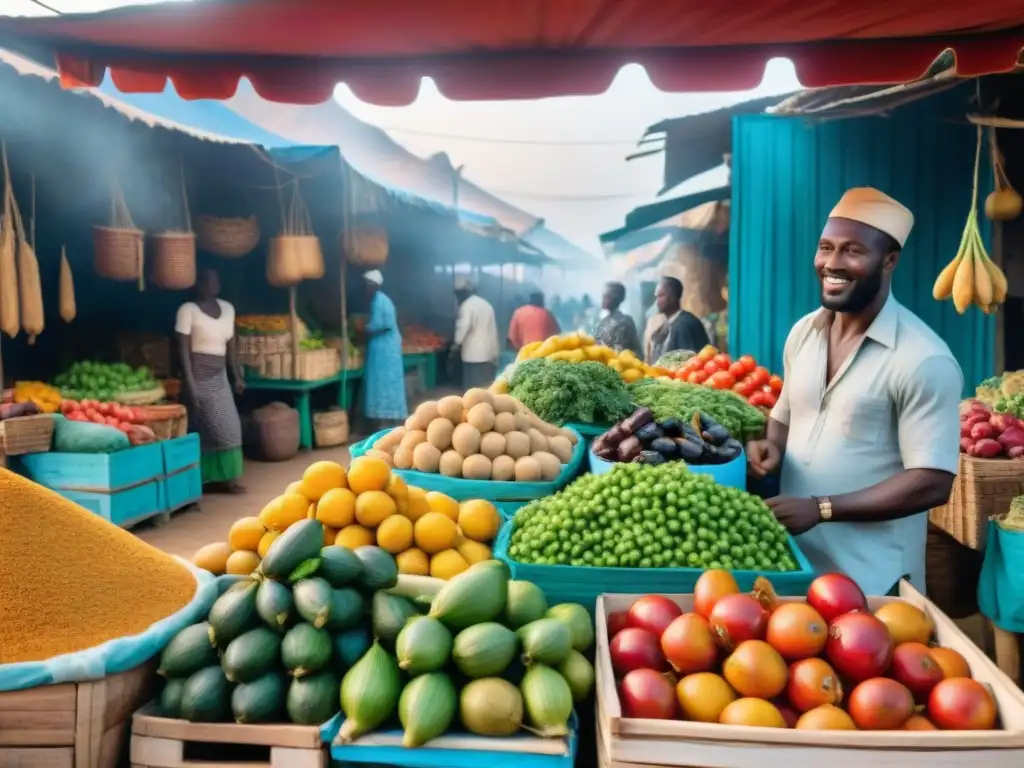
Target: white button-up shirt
{"type": "Point", "coordinates": [892, 406]}
{"type": "Point", "coordinates": [476, 331]}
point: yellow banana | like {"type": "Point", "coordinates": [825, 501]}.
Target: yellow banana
{"type": "Point", "coordinates": [963, 282]}
{"type": "Point", "coordinates": [999, 284]}
{"type": "Point", "coordinates": [982, 279]}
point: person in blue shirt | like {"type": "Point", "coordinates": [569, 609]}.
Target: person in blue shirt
{"type": "Point", "coordinates": [384, 400]}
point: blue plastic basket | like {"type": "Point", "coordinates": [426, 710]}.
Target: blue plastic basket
{"type": "Point", "coordinates": [492, 490]}
{"type": "Point", "coordinates": [439, 757]}
{"type": "Point", "coordinates": [731, 475]}
{"type": "Point", "coordinates": [566, 583]}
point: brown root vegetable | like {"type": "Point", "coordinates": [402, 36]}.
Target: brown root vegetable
{"type": "Point", "coordinates": [492, 445]}
{"type": "Point", "coordinates": [517, 445]}
{"type": "Point", "coordinates": [561, 447]}
{"type": "Point", "coordinates": [404, 458]}
{"type": "Point", "coordinates": [550, 466]}
{"type": "Point", "coordinates": [504, 423]}
{"type": "Point", "coordinates": [413, 438]}
{"type": "Point", "coordinates": [527, 470]}
{"type": "Point", "coordinates": [476, 467]}
{"type": "Point", "coordinates": [450, 464]}
{"type": "Point", "coordinates": [505, 404]}
{"type": "Point", "coordinates": [466, 440]}
{"type": "Point", "coordinates": [503, 468]}
{"type": "Point", "coordinates": [451, 408]}
{"type": "Point", "coordinates": [482, 417]}
{"type": "Point", "coordinates": [474, 397]}
{"type": "Point", "coordinates": [439, 433]}
{"type": "Point", "coordinates": [426, 458]}
{"type": "Point", "coordinates": [538, 442]}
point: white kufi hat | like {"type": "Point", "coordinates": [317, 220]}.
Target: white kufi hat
{"type": "Point", "coordinates": [876, 209]}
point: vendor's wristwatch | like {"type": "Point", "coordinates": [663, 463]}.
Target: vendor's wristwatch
{"type": "Point", "coordinates": [824, 508]}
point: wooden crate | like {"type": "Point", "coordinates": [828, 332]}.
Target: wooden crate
{"type": "Point", "coordinates": [74, 725]}
{"type": "Point", "coordinates": [627, 741]}
{"type": "Point", "coordinates": [982, 488]}
{"type": "Point", "coordinates": [161, 742]}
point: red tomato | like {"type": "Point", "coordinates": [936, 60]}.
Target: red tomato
{"type": "Point", "coordinates": [697, 377]}
{"type": "Point", "coordinates": [711, 587]}
{"type": "Point", "coordinates": [738, 370]}
{"type": "Point", "coordinates": [617, 622]}
{"type": "Point", "coordinates": [770, 400]}
{"type": "Point", "coordinates": [760, 377]}
{"type": "Point", "coordinates": [113, 421]}
{"type": "Point", "coordinates": [859, 647]}
{"type": "Point", "coordinates": [880, 704]}
{"type": "Point", "coordinates": [634, 648]}
{"type": "Point", "coordinates": [711, 367]}
{"type": "Point", "coordinates": [688, 644]}
{"type": "Point", "coordinates": [653, 613]}
{"type": "Point", "coordinates": [913, 665]}
{"type": "Point", "coordinates": [90, 413]}
{"type": "Point", "coordinates": [743, 388]}
{"type": "Point", "coordinates": [77, 416]}
{"type": "Point", "coordinates": [834, 594]}
{"type": "Point", "coordinates": [736, 619]}
{"type": "Point", "coordinates": [758, 398]}
{"type": "Point", "coordinates": [775, 382]}
{"type": "Point", "coordinates": [722, 380]}
{"type": "Point", "coordinates": [749, 364]}
{"type": "Point", "coordinates": [648, 694]}
{"type": "Point", "coordinates": [962, 704]}
{"type": "Point", "coordinates": [690, 366]}
{"type": "Point", "coordinates": [99, 420]}
{"type": "Point", "coordinates": [104, 408]}
{"type": "Point", "coordinates": [723, 360]}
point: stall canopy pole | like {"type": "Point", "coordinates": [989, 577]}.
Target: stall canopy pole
{"type": "Point", "coordinates": [346, 191]}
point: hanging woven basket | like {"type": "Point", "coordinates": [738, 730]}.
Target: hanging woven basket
{"type": "Point", "coordinates": [365, 247]}
{"type": "Point", "coordinates": [118, 249]}
{"type": "Point", "coordinates": [295, 255]}
{"type": "Point", "coordinates": [228, 238]}
{"type": "Point", "coordinates": [174, 260]}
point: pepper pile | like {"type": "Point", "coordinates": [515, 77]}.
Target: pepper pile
{"type": "Point", "coordinates": [641, 439]}
{"type": "Point", "coordinates": [743, 376]}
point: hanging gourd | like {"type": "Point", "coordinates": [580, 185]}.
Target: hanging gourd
{"type": "Point", "coordinates": [33, 320]}
{"type": "Point", "coordinates": [1004, 202]}
{"type": "Point", "coordinates": [68, 308]}
{"type": "Point", "coordinates": [10, 313]}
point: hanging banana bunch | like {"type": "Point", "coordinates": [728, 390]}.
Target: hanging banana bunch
{"type": "Point", "coordinates": [972, 277]}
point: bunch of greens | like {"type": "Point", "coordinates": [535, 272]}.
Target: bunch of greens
{"type": "Point", "coordinates": [1013, 404]}
{"type": "Point", "coordinates": [674, 360]}
{"type": "Point", "coordinates": [561, 392]}
{"type": "Point", "coordinates": [993, 382]}
{"type": "Point", "coordinates": [678, 400]}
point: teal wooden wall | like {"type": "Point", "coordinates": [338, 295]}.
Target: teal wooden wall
{"type": "Point", "coordinates": [787, 175]}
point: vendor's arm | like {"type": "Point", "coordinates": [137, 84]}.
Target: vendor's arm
{"type": "Point", "coordinates": [462, 323]}
{"type": "Point", "coordinates": [382, 317]}
{"type": "Point", "coordinates": [183, 330]}
{"type": "Point", "coordinates": [927, 404]}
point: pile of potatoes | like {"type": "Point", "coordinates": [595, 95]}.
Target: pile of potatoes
{"type": "Point", "coordinates": [479, 436]}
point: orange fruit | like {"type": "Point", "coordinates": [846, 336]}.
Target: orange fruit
{"type": "Point", "coordinates": [320, 477]}
{"type": "Point", "coordinates": [445, 505]}
{"type": "Point", "coordinates": [368, 474]}
{"type": "Point", "coordinates": [337, 508]}
{"type": "Point", "coordinates": [373, 508]}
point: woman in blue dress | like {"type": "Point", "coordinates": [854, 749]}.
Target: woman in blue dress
{"type": "Point", "coordinates": [384, 374]}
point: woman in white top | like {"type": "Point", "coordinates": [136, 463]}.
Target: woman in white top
{"type": "Point", "coordinates": [206, 339]}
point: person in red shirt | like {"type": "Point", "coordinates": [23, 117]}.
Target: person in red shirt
{"type": "Point", "coordinates": [531, 322]}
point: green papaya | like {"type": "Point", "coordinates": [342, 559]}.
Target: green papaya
{"type": "Point", "coordinates": [261, 700]}
{"type": "Point", "coordinates": [275, 605]}
{"type": "Point", "coordinates": [339, 565]}
{"type": "Point", "coordinates": [206, 696]}
{"type": "Point", "coordinates": [313, 700]}
{"type": "Point", "coordinates": [379, 568]}
{"type": "Point", "coordinates": [188, 652]}
{"type": "Point", "coordinates": [234, 613]}
{"type": "Point", "coordinates": [306, 650]}
{"type": "Point", "coordinates": [313, 601]}
{"type": "Point", "coordinates": [170, 697]}
{"type": "Point", "coordinates": [251, 655]}
{"type": "Point", "coordinates": [301, 542]}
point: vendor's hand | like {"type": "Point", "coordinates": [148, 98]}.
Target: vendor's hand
{"type": "Point", "coordinates": [763, 457]}
{"type": "Point", "coordinates": [239, 385]}
{"type": "Point", "coordinates": [799, 515]}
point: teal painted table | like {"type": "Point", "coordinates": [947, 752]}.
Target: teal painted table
{"type": "Point", "coordinates": [425, 364]}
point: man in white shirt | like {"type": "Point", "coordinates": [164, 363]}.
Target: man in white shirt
{"type": "Point", "coordinates": [476, 336]}
{"type": "Point", "coordinates": [866, 431]}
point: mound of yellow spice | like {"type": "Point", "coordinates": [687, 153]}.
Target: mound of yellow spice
{"type": "Point", "coordinates": [70, 580]}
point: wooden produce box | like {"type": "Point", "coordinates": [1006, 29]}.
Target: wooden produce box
{"type": "Point", "coordinates": [982, 488]}
{"type": "Point", "coordinates": [625, 742]}
{"type": "Point", "coordinates": [73, 725]}
{"type": "Point", "coordinates": [161, 742]}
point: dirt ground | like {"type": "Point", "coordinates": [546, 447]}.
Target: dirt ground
{"type": "Point", "coordinates": [193, 527]}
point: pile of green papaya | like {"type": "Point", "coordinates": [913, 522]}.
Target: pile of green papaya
{"type": "Point", "coordinates": [317, 629]}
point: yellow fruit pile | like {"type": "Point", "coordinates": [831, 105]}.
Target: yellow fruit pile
{"type": "Point", "coordinates": [578, 347]}
{"type": "Point", "coordinates": [46, 398]}
{"type": "Point", "coordinates": [429, 533]}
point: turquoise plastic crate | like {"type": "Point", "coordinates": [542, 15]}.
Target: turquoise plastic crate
{"type": "Point", "coordinates": [731, 475]}
{"type": "Point", "coordinates": [180, 452]}
{"type": "Point", "coordinates": [566, 583]}
{"type": "Point", "coordinates": [462, 490]}
{"type": "Point", "coordinates": [183, 488]}
{"type": "Point", "coordinates": [94, 472]}
{"type": "Point", "coordinates": [439, 757]}
{"type": "Point", "coordinates": [122, 508]}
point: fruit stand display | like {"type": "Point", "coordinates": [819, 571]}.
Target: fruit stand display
{"type": "Point", "coordinates": [109, 382]}
{"type": "Point", "coordinates": [759, 386]}
{"type": "Point", "coordinates": [719, 677]}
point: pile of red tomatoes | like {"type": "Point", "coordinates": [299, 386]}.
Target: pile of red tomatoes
{"type": "Point", "coordinates": [827, 663]}
{"type": "Point", "coordinates": [743, 376]}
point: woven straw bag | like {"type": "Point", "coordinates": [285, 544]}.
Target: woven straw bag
{"type": "Point", "coordinates": [118, 249]}
{"type": "Point", "coordinates": [365, 247]}
{"type": "Point", "coordinates": [228, 238]}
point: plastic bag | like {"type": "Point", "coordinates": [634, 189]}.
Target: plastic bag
{"type": "Point", "coordinates": [118, 655]}
{"type": "Point", "coordinates": [84, 437]}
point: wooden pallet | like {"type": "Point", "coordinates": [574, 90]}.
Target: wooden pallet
{"type": "Point", "coordinates": [160, 742]}
{"type": "Point", "coordinates": [73, 725]}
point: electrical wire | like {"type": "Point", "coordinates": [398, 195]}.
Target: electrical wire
{"type": "Point", "coordinates": [46, 7]}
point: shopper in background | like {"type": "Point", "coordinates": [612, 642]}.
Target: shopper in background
{"type": "Point", "coordinates": [206, 342]}
{"type": "Point", "coordinates": [384, 400]}
{"type": "Point", "coordinates": [616, 329]}
{"type": "Point", "coordinates": [681, 330]}
{"type": "Point", "coordinates": [476, 336]}
{"type": "Point", "coordinates": [531, 322]}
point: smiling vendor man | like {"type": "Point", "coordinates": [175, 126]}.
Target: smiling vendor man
{"type": "Point", "coordinates": [866, 430]}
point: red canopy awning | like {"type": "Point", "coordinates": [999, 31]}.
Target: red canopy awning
{"type": "Point", "coordinates": [298, 50]}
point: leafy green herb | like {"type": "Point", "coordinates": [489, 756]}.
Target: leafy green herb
{"type": "Point", "coordinates": [679, 400]}
{"type": "Point", "coordinates": [561, 392]}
